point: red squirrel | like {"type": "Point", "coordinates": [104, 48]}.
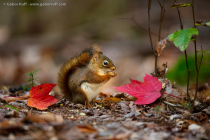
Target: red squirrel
{"type": "Point", "coordinates": [81, 77]}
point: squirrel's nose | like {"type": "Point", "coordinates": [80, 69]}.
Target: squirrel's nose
{"type": "Point", "coordinates": [113, 68]}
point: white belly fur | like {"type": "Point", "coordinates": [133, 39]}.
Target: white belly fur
{"type": "Point", "coordinates": [91, 90]}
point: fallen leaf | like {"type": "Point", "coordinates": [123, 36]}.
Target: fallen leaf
{"type": "Point", "coordinates": [86, 129]}
{"type": "Point", "coordinates": [99, 101]}
{"type": "Point", "coordinates": [194, 127]}
{"type": "Point", "coordinates": [8, 127]}
{"type": "Point", "coordinates": [40, 98]}
{"type": "Point", "coordinates": [33, 119]}
{"type": "Point", "coordinates": [119, 95]}
{"type": "Point", "coordinates": [11, 99]}
{"type": "Point", "coordinates": [191, 122]}
{"type": "Point", "coordinates": [122, 136]}
{"type": "Point", "coordinates": [124, 106]}
{"type": "Point", "coordinates": [130, 98]}
{"type": "Point", "coordinates": [14, 114]}
{"type": "Point", "coordinates": [131, 114]}
{"type": "Point", "coordinates": [182, 124]}
{"type": "Point", "coordinates": [50, 117]}
{"type": "Point", "coordinates": [146, 92]}
{"type": "Point", "coordinates": [112, 99]}
{"type": "Point", "coordinates": [102, 95]}
{"type": "Point", "coordinates": [201, 117]}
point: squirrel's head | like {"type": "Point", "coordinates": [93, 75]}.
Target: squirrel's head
{"type": "Point", "coordinates": [103, 65]}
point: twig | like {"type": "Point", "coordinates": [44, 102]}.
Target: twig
{"type": "Point", "coordinates": [168, 103]}
{"type": "Point", "coordinates": [180, 20]}
{"type": "Point", "coordinates": [188, 76]}
{"type": "Point", "coordinates": [173, 95]}
{"type": "Point", "coordinates": [136, 23]}
{"type": "Point", "coordinates": [162, 13]}
{"type": "Point", "coordinates": [201, 57]}
{"type": "Point", "coordinates": [149, 7]}
{"type": "Point", "coordinates": [154, 51]}
{"type": "Point", "coordinates": [185, 52]}
{"type": "Point", "coordinates": [161, 19]}
{"type": "Point", "coordinates": [196, 60]}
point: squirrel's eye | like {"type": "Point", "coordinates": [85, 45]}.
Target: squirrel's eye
{"type": "Point", "coordinates": [105, 63]}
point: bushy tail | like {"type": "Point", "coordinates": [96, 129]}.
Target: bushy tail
{"type": "Point", "coordinates": [68, 68]}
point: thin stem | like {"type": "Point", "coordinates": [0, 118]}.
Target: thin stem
{"type": "Point", "coordinates": [162, 13]}
{"type": "Point", "coordinates": [193, 11]}
{"type": "Point", "coordinates": [185, 52]}
{"type": "Point", "coordinates": [196, 60]}
{"type": "Point", "coordinates": [197, 70]}
{"type": "Point", "coordinates": [173, 95]}
{"type": "Point", "coordinates": [149, 7]}
{"type": "Point", "coordinates": [188, 77]}
{"type": "Point", "coordinates": [156, 60]}
{"type": "Point", "coordinates": [180, 19]}
{"type": "Point", "coordinates": [32, 84]}
{"type": "Point", "coordinates": [160, 23]}
{"type": "Point", "coordinates": [134, 21]}
{"type": "Point", "coordinates": [201, 57]}
{"type": "Point", "coordinates": [154, 51]}
{"type": "Point", "coordinates": [152, 33]}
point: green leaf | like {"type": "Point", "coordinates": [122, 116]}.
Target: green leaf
{"type": "Point", "coordinates": [203, 24]}
{"type": "Point", "coordinates": [32, 73]}
{"type": "Point", "coordinates": [12, 107]}
{"type": "Point", "coordinates": [177, 5]}
{"type": "Point", "coordinates": [181, 38]}
{"type": "Point", "coordinates": [171, 37]}
{"type": "Point", "coordinates": [208, 24]}
{"type": "Point", "coordinates": [197, 24]}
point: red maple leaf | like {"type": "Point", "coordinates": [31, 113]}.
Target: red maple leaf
{"type": "Point", "coordinates": [146, 92]}
{"type": "Point", "coordinates": [40, 98]}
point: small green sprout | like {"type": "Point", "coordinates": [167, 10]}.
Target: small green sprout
{"type": "Point", "coordinates": [31, 77]}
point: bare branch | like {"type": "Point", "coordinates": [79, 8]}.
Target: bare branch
{"type": "Point", "coordinates": [201, 57]}
{"type": "Point", "coordinates": [185, 52]}
{"type": "Point", "coordinates": [196, 60]}
{"type": "Point", "coordinates": [162, 13]}
{"type": "Point", "coordinates": [149, 7]}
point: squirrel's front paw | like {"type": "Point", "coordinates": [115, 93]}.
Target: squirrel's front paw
{"type": "Point", "coordinates": [112, 74]}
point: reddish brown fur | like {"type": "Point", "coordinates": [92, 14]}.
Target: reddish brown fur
{"type": "Point", "coordinates": [75, 71]}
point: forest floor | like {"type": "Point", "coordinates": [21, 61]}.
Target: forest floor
{"type": "Point", "coordinates": [106, 118]}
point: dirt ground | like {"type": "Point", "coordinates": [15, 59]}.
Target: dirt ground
{"type": "Point", "coordinates": [106, 118]}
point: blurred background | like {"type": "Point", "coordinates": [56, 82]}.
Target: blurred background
{"type": "Point", "coordinates": [34, 35]}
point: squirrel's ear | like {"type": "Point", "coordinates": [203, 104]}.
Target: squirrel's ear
{"type": "Point", "coordinates": [95, 57]}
